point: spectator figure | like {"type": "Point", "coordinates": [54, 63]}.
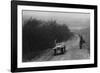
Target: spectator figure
{"type": "Point", "coordinates": [82, 41]}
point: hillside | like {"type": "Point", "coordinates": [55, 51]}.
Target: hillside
{"type": "Point", "coordinates": [86, 36]}
{"type": "Point", "coordinates": [73, 52]}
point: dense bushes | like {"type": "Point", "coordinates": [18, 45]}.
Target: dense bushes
{"type": "Point", "coordinates": [39, 35]}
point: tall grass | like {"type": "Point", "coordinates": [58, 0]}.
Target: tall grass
{"type": "Point", "coordinates": [40, 35]}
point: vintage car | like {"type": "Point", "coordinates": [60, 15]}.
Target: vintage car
{"type": "Point", "coordinates": [59, 48]}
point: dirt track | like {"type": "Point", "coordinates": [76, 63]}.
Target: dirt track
{"type": "Point", "coordinates": [72, 52]}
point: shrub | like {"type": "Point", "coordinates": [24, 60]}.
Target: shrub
{"type": "Point", "coordinates": [40, 35]}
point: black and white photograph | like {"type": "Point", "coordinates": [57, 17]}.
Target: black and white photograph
{"type": "Point", "coordinates": [50, 36]}
{"type": "Point", "coordinates": [54, 36]}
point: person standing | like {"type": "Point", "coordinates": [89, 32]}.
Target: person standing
{"type": "Point", "coordinates": [82, 41]}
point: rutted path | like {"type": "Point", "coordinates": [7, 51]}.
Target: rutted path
{"type": "Point", "coordinates": [72, 52]}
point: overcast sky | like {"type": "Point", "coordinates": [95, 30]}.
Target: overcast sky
{"type": "Point", "coordinates": [72, 19]}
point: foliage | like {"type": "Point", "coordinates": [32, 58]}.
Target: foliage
{"type": "Point", "coordinates": [40, 35]}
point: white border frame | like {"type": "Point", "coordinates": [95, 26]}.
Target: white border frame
{"type": "Point", "coordinates": [53, 63]}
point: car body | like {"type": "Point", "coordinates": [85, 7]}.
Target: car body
{"type": "Point", "coordinates": [59, 48]}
